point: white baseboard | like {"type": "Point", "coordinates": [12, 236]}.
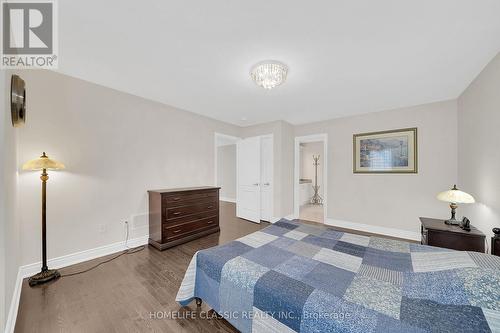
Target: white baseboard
{"type": "Point", "coordinates": [374, 229]}
{"type": "Point", "coordinates": [10, 325]}
{"type": "Point", "coordinates": [227, 199]}
{"type": "Point", "coordinates": [78, 257]}
{"type": "Point", "coordinates": [67, 260]}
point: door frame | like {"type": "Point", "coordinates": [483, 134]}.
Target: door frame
{"type": "Point", "coordinates": [296, 186]}
{"type": "Point", "coordinates": [218, 136]}
{"type": "Point", "coordinates": [268, 136]}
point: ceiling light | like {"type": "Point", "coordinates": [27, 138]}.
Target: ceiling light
{"type": "Point", "coordinates": [269, 74]}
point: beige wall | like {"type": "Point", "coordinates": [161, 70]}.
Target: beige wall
{"type": "Point", "coordinates": [115, 146]}
{"type": "Point", "coordinates": [478, 152]}
{"type": "Point", "coordinates": [226, 171]}
{"type": "Point", "coordinates": [9, 223]}
{"type": "Point", "coordinates": [3, 192]}
{"type": "Point", "coordinates": [385, 200]}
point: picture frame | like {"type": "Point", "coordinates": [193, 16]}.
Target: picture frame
{"type": "Point", "coordinates": [392, 151]}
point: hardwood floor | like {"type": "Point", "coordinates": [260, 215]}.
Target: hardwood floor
{"type": "Point", "coordinates": [134, 293]}
{"type": "Point", "coordinates": [311, 212]}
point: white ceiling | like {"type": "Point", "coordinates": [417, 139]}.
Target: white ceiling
{"type": "Point", "coordinates": [345, 56]}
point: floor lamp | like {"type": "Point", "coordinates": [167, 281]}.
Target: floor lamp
{"type": "Point", "coordinates": [43, 163]}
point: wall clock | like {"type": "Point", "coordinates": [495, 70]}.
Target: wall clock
{"type": "Point", "coordinates": [17, 101]}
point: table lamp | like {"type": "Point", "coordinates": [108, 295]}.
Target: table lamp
{"type": "Point", "coordinates": [454, 197]}
{"type": "Point", "coordinates": [43, 163]}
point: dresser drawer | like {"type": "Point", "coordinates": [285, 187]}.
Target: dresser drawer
{"type": "Point", "coordinates": [172, 199]}
{"type": "Point", "coordinates": [190, 218]}
{"type": "Point", "coordinates": [177, 212]}
{"type": "Point", "coordinates": [190, 201]}
{"type": "Point", "coordinates": [188, 228]}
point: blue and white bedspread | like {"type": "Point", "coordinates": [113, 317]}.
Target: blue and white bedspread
{"type": "Point", "coordinates": [295, 277]}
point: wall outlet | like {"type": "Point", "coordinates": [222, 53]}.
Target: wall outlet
{"type": "Point", "coordinates": [102, 228]}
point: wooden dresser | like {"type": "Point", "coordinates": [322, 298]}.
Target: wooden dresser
{"type": "Point", "coordinates": [179, 215]}
{"type": "Point", "coordinates": [436, 233]}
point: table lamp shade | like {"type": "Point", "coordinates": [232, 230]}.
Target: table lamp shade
{"type": "Point", "coordinates": [455, 196]}
{"type": "Point", "coordinates": [43, 162]}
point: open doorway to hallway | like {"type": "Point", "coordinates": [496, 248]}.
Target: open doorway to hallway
{"type": "Point", "coordinates": [310, 178]}
{"type": "Point", "coordinates": [225, 166]}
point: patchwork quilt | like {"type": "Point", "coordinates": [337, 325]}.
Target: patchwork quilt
{"type": "Point", "coordinates": [296, 277]}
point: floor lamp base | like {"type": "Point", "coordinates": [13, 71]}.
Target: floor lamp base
{"type": "Point", "coordinates": [44, 277]}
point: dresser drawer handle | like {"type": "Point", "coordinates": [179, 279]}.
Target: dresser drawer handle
{"type": "Point", "coordinates": [177, 231]}
{"type": "Point", "coordinates": [210, 207]}
{"type": "Point", "coordinates": [210, 222]}
{"type": "Point", "coordinates": [176, 213]}
{"type": "Point", "coordinates": [176, 199]}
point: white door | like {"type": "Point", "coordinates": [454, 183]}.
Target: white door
{"type": "Point", "coordinates": [266, 178]}
{"type": "Point", "coordinates": [248, 177]}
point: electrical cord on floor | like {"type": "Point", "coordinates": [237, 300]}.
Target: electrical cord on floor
{"type": "Point", "coordinates": [129, 250]}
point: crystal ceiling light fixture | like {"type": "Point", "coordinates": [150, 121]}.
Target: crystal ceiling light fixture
{"type": "Point", "coordinates": [269, 74]}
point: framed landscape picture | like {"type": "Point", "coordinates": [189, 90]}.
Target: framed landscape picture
{"type": "Point", "coordinates": [392, 151]}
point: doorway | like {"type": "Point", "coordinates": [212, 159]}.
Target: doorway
{"type": "Point", "coordinates": [254, 169]}
{"type": "Point", "coordinates": [310, 182]}
{"type": "Point", "coordinates": [225, 166]}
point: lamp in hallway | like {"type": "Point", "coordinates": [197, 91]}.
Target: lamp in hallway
{"type": "Point", "coordinates": [44, 163]}
{"type": "Point", "coordinates": [454, 197]}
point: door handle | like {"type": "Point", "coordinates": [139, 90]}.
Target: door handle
{"type": "Point", "coordinates": [256, 184]}
{"type": "Point", "coordinates": [266, 184]}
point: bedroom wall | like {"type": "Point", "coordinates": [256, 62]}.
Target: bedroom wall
{"type": "Point", "coordinates": [9, 224]}
{"type": "Point", "coordinates": [226, 171]}
{"type": "Point", "coordinates": [115, 146]}
{"type": "Point", "coordinates": [384, 200]}
{"type": "Point", "coordinates": [3, 126]}
{"type": "Point", "coordinates": [478, 156]}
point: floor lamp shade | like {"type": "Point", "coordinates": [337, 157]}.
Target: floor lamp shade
{"type": "Point", "coordinates": [43, 163]}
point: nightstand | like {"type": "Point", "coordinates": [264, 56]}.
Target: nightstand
{"type": "Point", "coordinates": [436, 233]}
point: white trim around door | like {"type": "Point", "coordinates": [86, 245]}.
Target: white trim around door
{"type": "Point", "coordinates": [296, 189]}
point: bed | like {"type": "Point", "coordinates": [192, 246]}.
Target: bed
{"type": "Point", "coordinates": [297, 277]}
